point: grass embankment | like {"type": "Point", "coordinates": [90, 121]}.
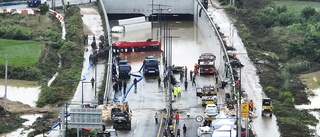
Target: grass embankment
{"type": "Point", "coordinates": [288, 41]}
{"type": "Point", "coordinates": [71, 51]}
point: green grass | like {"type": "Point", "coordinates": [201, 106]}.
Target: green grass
{"type": "Point", "coordinates": [20, 53]}
{"type": "Point", "coordinates": [297, 6]}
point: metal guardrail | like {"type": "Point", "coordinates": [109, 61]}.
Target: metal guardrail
{"type": "Point", "coordinates": [221, 44]}
{"type": "Point", "coordinates": [109, 74]}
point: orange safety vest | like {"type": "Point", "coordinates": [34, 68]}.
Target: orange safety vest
{"type": "Point", "coordinates": [177, 116]}
{"type": "Point", "coordinates": [171, 117]}
{"type": "Point", "coordinates": [250, 104]}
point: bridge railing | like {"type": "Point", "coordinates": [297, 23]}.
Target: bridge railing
{"type": "Point", "coordinates": [109, 71]}
{"type": "Point", "coordinates": [224, 66]}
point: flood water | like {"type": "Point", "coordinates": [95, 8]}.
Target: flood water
{"type": "Point", "coordinates": [20, 132]}
{"type": "Point", "coordinates": [26, 92]}
{"type": "Point", "coordinates": [313, 105]}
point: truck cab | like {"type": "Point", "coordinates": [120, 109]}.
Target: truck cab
{"type": "Point", "coordinates": [150, 66]}
{"type": "Point", "coordinates": [36, 2]}
{"type": "Point", "coordinates": [124, 69]}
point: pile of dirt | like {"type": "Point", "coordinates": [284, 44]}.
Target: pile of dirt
{"type": "Point", "coordinates": [13, 106]}
{"type": "Point", "coordinates": [106, 112]}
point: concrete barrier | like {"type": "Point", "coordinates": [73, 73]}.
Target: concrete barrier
{"type": "Point", "coordinates": [10, 3]}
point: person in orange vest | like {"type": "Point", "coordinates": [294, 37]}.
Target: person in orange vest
{"type": "Point", "coordinates": [196, 68]}
{"type": "Point", "coordinates": [250, 103]}
{"type": "Point", "coordinates": [171, 116]}
{"type": "Point", "coordinates": [177, 118]}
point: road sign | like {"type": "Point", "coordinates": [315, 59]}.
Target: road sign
{"type": "Point", "coordinates": [244, 110]}
{"type": "Point", "coordinates": [210, 118]}
{"type": "Point", "coordinates": [199, 118]}
{"type": "Point", "coordinates": [85, 118]}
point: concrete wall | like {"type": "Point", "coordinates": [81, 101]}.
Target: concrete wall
{"type": "Point", "coordinates": [145, 6]}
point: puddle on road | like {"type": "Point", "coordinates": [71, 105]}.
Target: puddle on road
{"type": "Point", "coordinates": [26, 92]}
{"type": "Point", "coordinates": [20, 132]}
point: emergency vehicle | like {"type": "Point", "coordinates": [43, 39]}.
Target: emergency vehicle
{"type": "Point", "coordinates": [207, 63]}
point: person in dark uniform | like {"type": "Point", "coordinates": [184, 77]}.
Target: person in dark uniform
{"type": "Point", "coordinates": [120, 85]}
{"type": "Point", "coordinates": [124, 87]}
{"type": "Point", "coordinates": [115, 87]}
{"type": "Point", "coordinates": [159, 81]}
{"type": "Point", "coordinates": [185, 84]}
{"type": "Point", "coordinates": [135, 81]}
{"type": "Point", "coordinates": [194, 80]}
{"type": "Point", "coordinates": [92, 82]}
{"type": "Point", "coordinates": [191, 75]}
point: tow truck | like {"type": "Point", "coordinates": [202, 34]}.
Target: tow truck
{"type": "Point", "coordinates": [208, 95]}
{"type": "Point", "coordinates": [266, 107]}
{"type": "Point", "coordinates": [207, 63]}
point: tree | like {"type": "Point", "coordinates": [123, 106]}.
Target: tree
{"type": "Point", "coordinates": [44, 8]}
{"type": "Point", "coordinates": [308, 12]}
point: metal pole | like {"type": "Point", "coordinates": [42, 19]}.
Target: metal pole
{"type": "Point", "coordinates": [95, 81]}
{"type": "Point", "coordinates": [6, 83]}
{"type": "Point", "coordinates": [82, 93]}
{"type": "Point", "coordinates": [247, 134]}
{"type": "Point", "coordinates": [62, 124]}
{"type": "Point", "coordinates": [66, 120]}
{"type": "Point", "coordinates": [239, 98]}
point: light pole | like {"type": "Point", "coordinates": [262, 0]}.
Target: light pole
{"type": "Point", "coordinates": [239, 114]}
{"type": "Point", "coordinates": [5, 94]}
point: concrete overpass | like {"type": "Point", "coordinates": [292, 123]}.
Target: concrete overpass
{"type": "Point", "coordinates": [151, 8]}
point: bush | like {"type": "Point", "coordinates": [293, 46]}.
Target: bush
{"type": "Point", "coordinates": [308, 12]}
{"type": "Point", "coordinates": [44, 8]}
{"type": "Point", "coordinates": [16, 32]}
{"type": "Point", "coordinates": [285, 95]}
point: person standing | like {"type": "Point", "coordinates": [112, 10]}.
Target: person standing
{"type": "Point", "coordinates": [120, 85]}
{"type": "Point", "coordinates": [68, 2]}
{"type": "Point", "coordinates": [115, 87]}
{"type": "Point", "coordinates": [216, 79]}
{"type": "Point", "coordinates": [124, 87]}
{"type": "Point", "coordinates": [191, 75]}
{"type": "Point", "coordinates": [178, 132]}
{"type": "Point", "coordinates": [92, 82]}
{"type": "Point", "coordinates": [177, 117]}
{"type": "Point", "coordinates": [194, 80]}
{"type": "Point", "coordinates": [250, 103]}
{"type": "Point", "coordinates": [185, 84]}
{"type": "Point", "coordinates": [184, 128]}
{"type": "Point", "coordinates": [165, 81]}
{"type": "Point", "coordinates": [156, 117]}
{"type": "Point", "coordinates": [175, 91]}
{"type": "Point", "coordinates": [179, 91]}
{"type": "Point", "coordinates": [165, 133]}
{"type": "Point", "coordinates": [135, 81]}
{"type": "Point", "coordinates": [159, 81]}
